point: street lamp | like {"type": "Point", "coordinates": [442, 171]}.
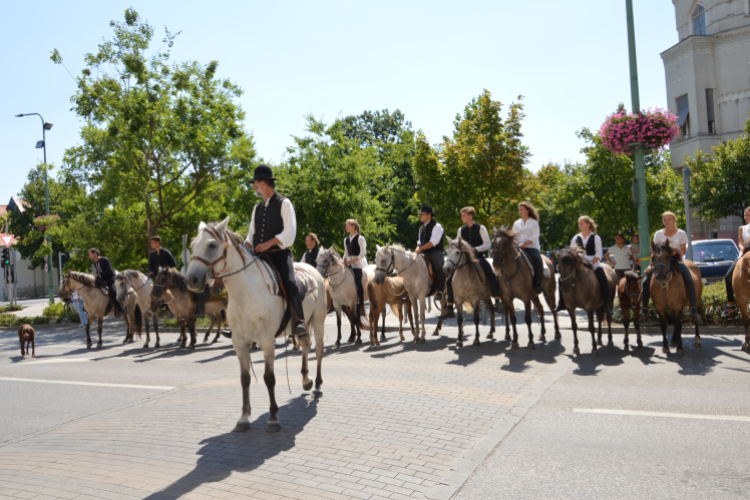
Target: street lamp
{"type": "Point", "coordinates": [640, 169]}
{"type": "Point", "coordinates": [43, 145]}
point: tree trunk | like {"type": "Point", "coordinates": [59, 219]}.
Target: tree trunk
{"type": "Point", "coordinates": [151, 228]}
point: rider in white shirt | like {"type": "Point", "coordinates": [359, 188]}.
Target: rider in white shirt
{"type": "Point", "coordinates": [355, 256]}
{"type": "Point", "coordinates": [743, 237]}
{"type": "Point", "coordinates": [527, 237]}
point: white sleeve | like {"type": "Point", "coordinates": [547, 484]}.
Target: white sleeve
{"type": "Point", "coordinates": [485, 240]}
{"type": "Point", "coordinates": [534, 232]}
{"type": "Point", "coordinates": [573, 241]}
{"type": "Point", "coordinates": [362, 248]}
{"type": "Point", "coordinates": [437, 233]}
{"type": "Point", "coordinates": [598, 244]}
{"type": "Point", "coordinates": [346, 250]}
{"type": "Point", "coordinates": [517, 226]}
{"type": "Point", "coordinates": [251, 229]}
{"type": "Point", "coordinates": [289, 234]}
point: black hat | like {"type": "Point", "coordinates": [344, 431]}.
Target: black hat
{"type": "Point", "coordinates": [426, 209]}
{"type": "Point", "coordinates": [263, 173]}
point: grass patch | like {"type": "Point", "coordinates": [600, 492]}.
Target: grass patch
{"type": "Point", "coordinates": [9, 308]}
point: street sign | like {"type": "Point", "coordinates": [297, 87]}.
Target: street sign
{"type": "Point", "coordinates": [7, 238]}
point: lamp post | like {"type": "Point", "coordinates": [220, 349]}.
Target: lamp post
{"type": "Point", "coordinates": [640, 170]}
{"type": "Point", "coordinates": [45, 127]}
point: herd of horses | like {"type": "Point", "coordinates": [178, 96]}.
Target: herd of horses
{"type": "Point", "coordinates": [258, 312]}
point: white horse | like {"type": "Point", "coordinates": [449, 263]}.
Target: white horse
{"type": "Point", "coordinates": [417, 279]}
{"type": "Point", "coordinates": [343, 290]}
{"type": "Point", "coordinates": [134, 285]}
{"type": "Point", "coordinates": [254, 313]}
{"type": "Point", "coordinates": [95, 300]}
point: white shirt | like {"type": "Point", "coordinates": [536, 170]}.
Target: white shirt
{"type": "Point", "coordinates": [746, 236]}
{"type": "Point", "coordinates": [75, 295]}
{"type": "Point", "coordinates": [675, 241]}
{"type": "Point", "coordinates": [621, 256]}
{"type": "Point", "coordinates": [485, 239]}
{"type": "Point", "coordinates": [597, 243]}
{"type": "Point", "coordinates": [362, 262]}
{"type": "Point", "coordinates": [437, 233]}
{"type": "Point", "coordinates": [527, 231]}
{"type": "Point", "coordinates": [289, 234]}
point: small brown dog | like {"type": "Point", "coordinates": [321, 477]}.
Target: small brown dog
{"type": "Point", "coordinates": [26, 336]}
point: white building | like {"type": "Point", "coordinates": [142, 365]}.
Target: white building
{"type": "Point", "coordinates": [708, 84]}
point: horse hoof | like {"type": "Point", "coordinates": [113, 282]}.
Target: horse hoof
{"type": "Point", "coordinates": [191, 346]}
{"type": "Point", "coordinates": [507, 337]}
{"type": "Point", "coordinates": [640, 348]}
{"type": "Point", "coordinates": [88, 345]}
{"type": "Point", "coordinates": [296, 347]}
{"type": "Point", "coordinates": [476, 342]}
{"type": "Point", "coordinates": [673, 344]}
{"type": "Point", "coordinates": [680, 351]}
{"type": "Point", "coordinates": [383, 338]}
{"type": "Point", "coordinates": [576, 351]}
{"type": "Point", "coordinates": [610, 343]}
{"type": "Point", "coordinates": [273, 427]}
{"type": "Point", "coordinates": [421, 340]}
{"type": "Point", "coordinates": [351, 339]}
{"type": "Point", "coordinates": [531, 346]}
{"type": "Point", "coordinates": [99, 344]}
{"type": "Point", "coordinates": [665, 350]}
{"type": "Point", "coordinates": [307, 385]}
{"type": "Point", "coordinates": [156, 346]}
{"type": "Point", "coordinates": [358, 341]}
{"type": "Point", "coordinates": [241, 427]}
{"type": "Point", "coordinates": [459, 344]}
{"type": "Point", "coordinates": [746, 347]}
{"type": "Point", "coordinates": [599, 343]}
{"type": "Point", "coordinates": [490, 336]}
{"type": "Point", "coordinates": [514, 345]}
{"type": "Point", "coordinates": [318, 393]}
{"type": "Point", "coordinates": [145, 346]}
{"type": "Point", "coordinates": [543, 339]}
{"type": "Point", "coordinates": [698, 344]}
{"type": "Point", "coordinates": [558, 336]}
{"type": "Point", "coordinates": [435, 333]}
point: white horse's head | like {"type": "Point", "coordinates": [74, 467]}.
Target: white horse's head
{"type": "Point", "coordinates": [327, 260]}
{"type": "Point", "coordinates": [384, 263]}
{"type": "Point", "coordinates": [209, 247]}
{"type": "Point", "coordinates": [457, 255]}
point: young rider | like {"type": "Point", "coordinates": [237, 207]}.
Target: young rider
{"type": "Point", "coordinates": [355, 256]}
{"type": "Point", "coordinates": [592, 246]}
{"type": "Point", "coordinates": [430, 243]}
{"type": "Point", "coordinates": [619, 256]}
{"type": "Point", "coordinates": [527, 236]}
{"type": "Point", "coordinates": [743, 239]}
{"type": "Point", "coordinates": [678, 241]}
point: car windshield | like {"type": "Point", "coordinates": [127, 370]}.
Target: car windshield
{"type": "Point", "coordinates": [714, 252]}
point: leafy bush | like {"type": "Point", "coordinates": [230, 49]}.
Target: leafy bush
{"type": "Point", "coordinates": [60, 312]}
{"type": "Point", "coordinates": [14, 307]}
{"type": "Point", "coordinates": [13, 320]}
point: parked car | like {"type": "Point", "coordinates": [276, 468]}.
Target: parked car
{"type": "Point", "coordinates": [714, 258]}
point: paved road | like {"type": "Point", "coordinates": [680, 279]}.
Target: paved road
{"type": "Point", "coordinates": [398, 421]}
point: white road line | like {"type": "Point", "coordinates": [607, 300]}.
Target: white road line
{"type": "Point", "coordinates": [91, 384]}
{"type": "Point", "coordinates": [633, 413]}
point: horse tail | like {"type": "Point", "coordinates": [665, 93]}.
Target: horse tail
{"type": "Point", "coordinates": [138, 326]}
{"type": "Point", "coordinates": [396, 307]}
{"type": "Point", "coordinates": [469, 308]}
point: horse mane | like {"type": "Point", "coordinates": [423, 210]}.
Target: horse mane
{"type": "Point", "coordinates": [175, 277]}
{"type": "Point", "coordinates": [400, 247]}
{"type": "Point", "coordinates": [232, 238]}
{"type": "Point", "coordinates": [505, 231]}
{"type": "Point", "coordinates": [130, 273]}
{"type": "Point", "coordinates": [632, 276]}
{"type": "Point", "coordinates": [572, 256]}
{"type": "Point", "coordinates": [674, 255]}
{"type": "Point", "coordinates": [83, 278]}
{"type": "Point", "coordinates": [465, 248]}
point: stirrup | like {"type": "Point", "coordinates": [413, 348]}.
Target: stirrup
{"type": "Point", "coordinates": [728, 310]}
{"type": "Point", "coordinates": [300, 330]}
{"type": "Point", "coordinates": [696, 315]}
{"type": "Point", "coordinates": [438, 296]}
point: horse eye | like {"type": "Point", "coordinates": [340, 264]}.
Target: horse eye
{"type": "Point", "coordinates": [212, 244]}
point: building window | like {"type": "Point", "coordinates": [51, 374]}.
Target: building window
{"type": "Point", "coordinates": [683, 116]}
{"type": "Point", "coordinates": [710, 111]}
{"type": "Point", "coordinates": [699, 20]}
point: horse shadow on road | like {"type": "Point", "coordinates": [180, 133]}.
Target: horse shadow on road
{"type": "Point", "coordinates": [235, 452]}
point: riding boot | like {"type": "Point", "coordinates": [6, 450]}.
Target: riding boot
{"type": "Point", "coordinates": [604, 288]}
{"type": "Point", "coordinates": [449, 313]}
{"type": "Point", "coordinates": [300, 329]}
{"type": "Point", "coordinates": [561, 302]}
{"type": "Point", "coordinates": [200, 307]}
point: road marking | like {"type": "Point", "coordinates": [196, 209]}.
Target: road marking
{"type": "Point", "coordinates": [633, 413]}
{"type": "Point", "coordinates": [91, 384]}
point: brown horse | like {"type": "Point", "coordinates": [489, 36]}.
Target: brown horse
{"type": "Point", "coordinates": [741, 284]}
{"type": "Point", "coordinates": [393, 293]}
{"type": "Point", "coordinates": [516, 282]}
{"type": "Point", "coordinates": [668, 291]}
{"type": "Point", "coordinates": [580, 289]}
{"type": "Point", "coordinates": [629, 291]}
{"type": "Point", "coordinates": [170, 288]}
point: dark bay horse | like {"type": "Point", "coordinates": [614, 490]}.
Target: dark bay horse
{"type": "Point", "coordinates": [629, 291]}
{"type": "Point", "coordinates": [516, 282]}
{"type": "Point", "coordinates": [580, 289]}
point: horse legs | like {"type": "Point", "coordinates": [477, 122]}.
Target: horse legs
{"type": "Point", "coordinates": [243, 354]}
{"type": "Point", "coordinates": [552, 306]}
{"type": "Point", "coordinates": [460, 321]}
{"type": "Point", "coordinates": [540, 311]}
{"type": "Point", "coordinates": [512, 312]}
{"type": "Point", "coordinates": [307, 382]}
{"type": "Point", "coordinates": [423, 305]}
{"type": "Point", "coordinates": [491, 309]}
{"type": "Point", "coordinates": [212, 318]}
{"type": "Point", "coordinates": [476, 323]}
{"type": "Point", "coordinates": [678, 333]}
{"type": "Point", "coordinates": [156, 329]}
{"type": "Point", "coordinates": [608, 317]}
{"type": "Point", "coordinates": [218, 329]}
{"type": "Point", "coordinates": [698, 343]}
{"type": "Point", "coordinates": [193, 333]}
{"type": "Point", "coordinates": [99, 328]}
{"type": "Point", "coordinates": [382, 331]}
{"type": "Point", "coordinates": [507, 322]}
{"type": "Point", "coordinates": [637, 324]}
{"type": "Point", "coordinates": [626, 324]}
{"type": "Point", "coordinates": [594, 350]}
{"type": "Point", "coordinates": [270, 379]}
{"type": "Point", "coordinates": [148, 330]}
{"type": "Point", "coordinates": [527, 318]}
{"type": "Point", "coordinates": [599, 319]}
{"type": "Point", "coordinates": [663, 325]}
{"type": "Point", "coordinates": [742, 306]}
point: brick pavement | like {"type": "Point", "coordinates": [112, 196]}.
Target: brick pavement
{"type": "Point", "coordinates": [399, 421]}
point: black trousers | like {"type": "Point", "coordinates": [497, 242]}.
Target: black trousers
{"type": "Point", "coordinates": [360, 289]}
{"type": "Point", "coordinates": [284, 263]}
{"type": "Point", "coordinates": [111, 290]}
{"type": "Point", "coordinates": [536, 260]}
{"type": "Point", "coordinates": [728, 278]}
{"type": "Point", "coordinates": [689, 283]}
{"type": "Point", "coordinates": [489, 274]}
{"type": "Point", "coordinates": [437, 259]}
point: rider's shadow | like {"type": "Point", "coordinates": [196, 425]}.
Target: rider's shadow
{"type": "Point", "coordinates": [224, 454]}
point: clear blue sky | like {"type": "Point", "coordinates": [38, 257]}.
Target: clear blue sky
{"type": "Point", "coordinates": [331, 58]}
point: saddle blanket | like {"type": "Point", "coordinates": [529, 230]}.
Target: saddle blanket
{"type": "Point", "coordinates": [305, 281]}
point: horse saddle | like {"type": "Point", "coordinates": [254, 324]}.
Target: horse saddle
{"type": "Point", "coordinates": [430, 269]}
{"type": "Point", "coordinates": [545, 269]}
{"type": "Point", "coordinates": [304, 281]}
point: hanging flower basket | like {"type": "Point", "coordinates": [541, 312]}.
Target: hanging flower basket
{"type": "Point", "coordinates": [653, 129]}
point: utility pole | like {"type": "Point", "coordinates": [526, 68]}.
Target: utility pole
{"type": "Point", "coordinates": [640, 168]}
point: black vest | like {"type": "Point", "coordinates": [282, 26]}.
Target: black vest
{"type": "Point", "coordinates": [590, 245]}
{"type": "Point", "coordinates": [471, 236]}
{"type": "Point", "coordinates": [425, 233]}
{"type": "Point", "coordinates": [268, 221]}
{"type": "Point", "coordinates": [352, 245]}
{"type": "Point", "coordinates": [311, 256]}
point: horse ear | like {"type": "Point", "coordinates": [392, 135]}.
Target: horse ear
{"type": "Point", "coordinates": [223, 225]}
{"type": "Point", "coordinates": [201, 226]}
{"type": "Point", "coordinates": [653, 245]}
{"type": "Point", "coordinates": [377, 247]}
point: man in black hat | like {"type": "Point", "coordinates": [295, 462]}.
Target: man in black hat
{"type": "Point", "coordinates": [273, 229]}
{"type": "Point", "coordinates": [431, 243]}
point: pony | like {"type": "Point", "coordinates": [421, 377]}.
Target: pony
{"type": "Point", "coordinates": [132, 284]}
{"type": "Point", "coordinates": [580, 289]}
{"type": "Point", "coordinates": [393, 293]}
{"type": "Point", "coordinates": [95, 300]}
{"type": "Point", "coordinates": [741, 284]}
{"type": "Point", "coordinates": [516, 282]}
{"type": "Point", "coordinates": [417, 279]}
{"type": "Point", "coordinates": [470, 286]}
{"type": "Point", "coordinates": [629, 291]}
{"type": "Point", "coordinates": [256, 314]}
{"type": "Point", "coordinates": [668, 291]}
{"type": "Point", "coordinates": [170, 288]}
{"type": "Point", "coordinates": [343, 290]}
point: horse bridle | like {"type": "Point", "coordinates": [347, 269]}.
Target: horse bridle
{"type": "Point", "coordinates": [210, 265]}
{"type": "Point", "coordinates": [664, 284]}
{"type": "Point", "coordinates": [329, 274]}
{"type": "Point", "coordinates": [509, 278]}
{"type": "Point", "coordinates": [392, 265]}
{"type": "Point", "coordinates": [133, 290]}
{"type": "Point", "coordinates": [458, 265]}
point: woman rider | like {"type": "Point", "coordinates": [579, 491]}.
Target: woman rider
{"type": "Point", "coordinates": [744, 240]}
{"type": "Point", "coordinates": [355, 256]}
{"type": "Point", "coordinates": [678, 241]}
{"type": "Point", "coordinates": [527, 236]}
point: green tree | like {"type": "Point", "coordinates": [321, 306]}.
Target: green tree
{"type": "Point", "coordinates": [482, 165]}
{"type": "Point", "coordinates": [720, 183]}
{"type": "Point", "coordinates": [158, 140]}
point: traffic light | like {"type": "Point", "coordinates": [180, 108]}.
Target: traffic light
{"type": "Point", "coordinates": [6, 257]}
